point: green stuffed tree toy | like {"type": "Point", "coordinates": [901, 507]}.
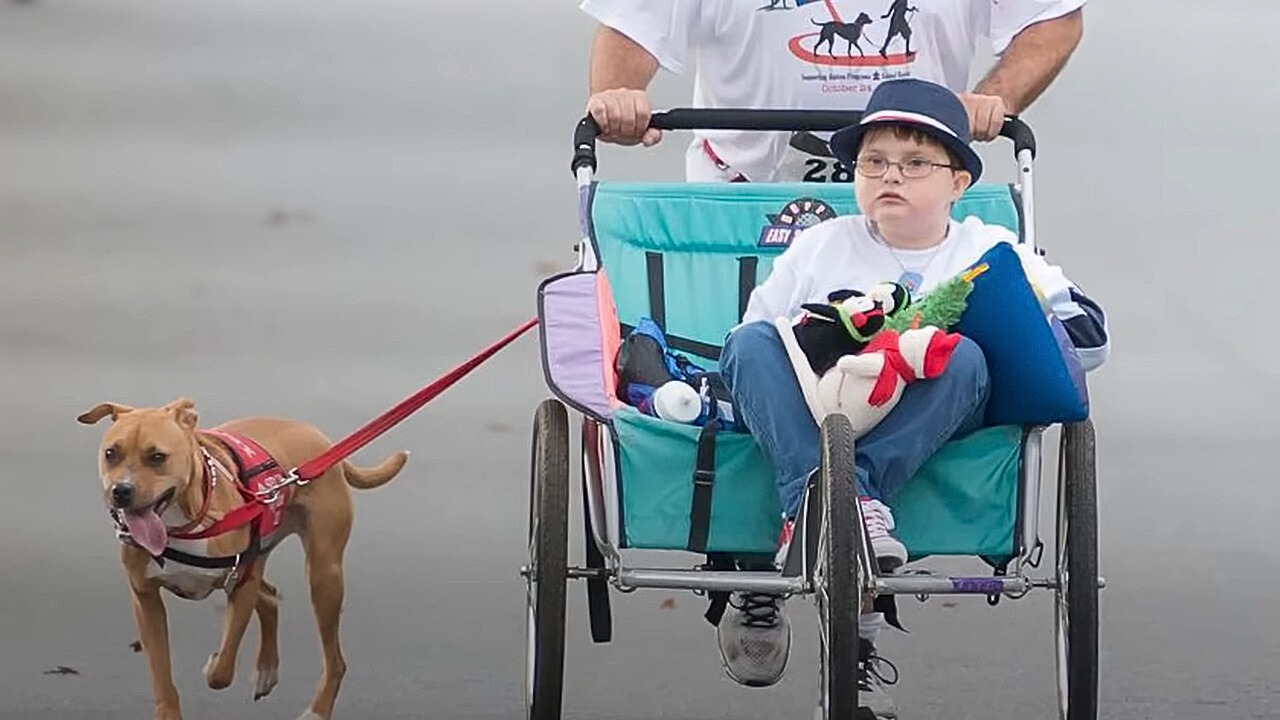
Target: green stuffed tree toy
{"type": "Point", "coordinates": [941, 308]}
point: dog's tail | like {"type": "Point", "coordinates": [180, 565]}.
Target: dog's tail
{"type": "Point", "coordinates": [369, 478]}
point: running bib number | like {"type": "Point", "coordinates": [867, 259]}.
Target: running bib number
{"type": "Point", "coordinates": [823, 170]}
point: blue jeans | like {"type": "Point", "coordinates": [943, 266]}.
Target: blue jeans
{"type": "Point", "coordinates": [758, 373]}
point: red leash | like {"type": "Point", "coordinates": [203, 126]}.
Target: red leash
{"type": "Point", "coordinates": [315, 467]}
{"type": "Point", "coordinates": [259, 500]}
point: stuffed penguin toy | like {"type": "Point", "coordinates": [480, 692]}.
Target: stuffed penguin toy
{"type": "Point", "coordinates": [844, 325]}
{"type": "Point", "coordinates": [847, 363]}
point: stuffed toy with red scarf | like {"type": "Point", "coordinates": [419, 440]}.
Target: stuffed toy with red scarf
{"type": "Point", "coordinates": [866, 383]}
{"type": "Point", "coordinates": [866, 386]}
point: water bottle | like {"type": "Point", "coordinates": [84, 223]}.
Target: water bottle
{"type": "Point", "coordinates": [677, 401]}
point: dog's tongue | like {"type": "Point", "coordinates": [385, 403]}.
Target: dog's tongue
{"type": "Point", "coordinates": [147, 529]}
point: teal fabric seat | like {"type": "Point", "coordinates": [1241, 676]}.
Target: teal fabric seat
{"type": "Point", "coordinates": [688, 255]}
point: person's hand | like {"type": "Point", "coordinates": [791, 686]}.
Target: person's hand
{"type": "Point", "coordinates": [986, 115]}
{"type": "Point", "coordinates": [623, 117]}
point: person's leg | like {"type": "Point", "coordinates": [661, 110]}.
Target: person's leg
{"type": "Point", "coordinates": [767, 398]}
{"type": "Point", "coordinates": [754, 634]}
{"type": "Point", "coordinates": [768, 401]}
{"type": "Point", "coordinates": [929, 413]}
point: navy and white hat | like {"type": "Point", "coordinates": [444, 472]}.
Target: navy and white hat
{"type": "Point", "coordinates": [911, 101]}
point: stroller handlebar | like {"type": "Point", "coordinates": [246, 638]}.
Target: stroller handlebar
{"type": "Point", "coordinates": [584, 136]}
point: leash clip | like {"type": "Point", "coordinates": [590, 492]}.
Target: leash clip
{"type": "Point", "coordinates": [271, 495]}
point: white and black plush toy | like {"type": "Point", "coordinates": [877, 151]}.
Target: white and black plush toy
{"type": "Point", "coordinates": [844, 325]}
{"type": "Point", "coordinates": [847, 363]}
{"type": "Point", "coordinates": [867, 386]}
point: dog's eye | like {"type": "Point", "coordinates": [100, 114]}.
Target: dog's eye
{"type": "Point", "coordinates": [157, 458]}
{"type": "Point", "coordinates": [110, 454]}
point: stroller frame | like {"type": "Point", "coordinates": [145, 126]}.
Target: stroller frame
{"type": "Point", "coordinates": [820, 554]}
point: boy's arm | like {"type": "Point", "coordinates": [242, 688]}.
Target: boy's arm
{"type": "Point", "coordinates": [1083, 317]}
{"type": "Point", "coordinates": [787, 286]}
{"type": "Point", "coordinates": [773, 298]}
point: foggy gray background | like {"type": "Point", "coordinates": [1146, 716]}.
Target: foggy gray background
{"type": "Point", "coordinates": [313, 208]}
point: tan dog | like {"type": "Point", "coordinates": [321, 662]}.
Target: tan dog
{"type": "Point", "coordinates": [157, 470]}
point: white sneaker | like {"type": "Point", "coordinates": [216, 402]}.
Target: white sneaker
{"type": "Point", "coordinates": [754, 636]}
{"type": "Point", "coordinates": [889, 551]}
{"type": "Point", "coordinates": [784, 544]}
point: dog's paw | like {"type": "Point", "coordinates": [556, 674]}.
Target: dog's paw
{"type": "Point", "coordinates": [308, 715]}
{"type": "Point", "coordinates": [264, 681]}
{"type": "Point", "coordinates": [217, 678]}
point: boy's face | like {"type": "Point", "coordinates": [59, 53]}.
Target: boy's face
{"type": "Point", "coordinates": [896, 199]}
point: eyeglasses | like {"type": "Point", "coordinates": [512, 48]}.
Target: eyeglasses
{"type": "Point", "coordinates": [875, 166]}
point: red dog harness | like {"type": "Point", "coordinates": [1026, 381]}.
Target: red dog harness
{"type": "Point", "coordinates": [263, 486]}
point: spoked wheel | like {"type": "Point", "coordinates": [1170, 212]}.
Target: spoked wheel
{"type": "Point", "coordinates": [548, 561]}
{"type": "Point", "coordinates": [1076, 606]}
{"type": "Point", "coordinates": [837, 581]}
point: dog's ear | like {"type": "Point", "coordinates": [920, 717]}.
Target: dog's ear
{"type": "Point", "coordinates": [101, 410]}
{"type": "Point", "coordinates": [184, 412]}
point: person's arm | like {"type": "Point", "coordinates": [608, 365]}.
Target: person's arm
{"type": "Point", "coordinates": [772, 298]}
{"type": "Point", "coordinates": [633, 39]}
{"type": "Point", "coordinates": [621, 70]}
{"type": "Point", "coordinates": [1081, 315]}
{"type": "Point", "coordinates": [1033, 60]}
{"type": "Point", "coordinates": [789, 282]}
{"type": "Point", "coordinates": [1023, 71]}
{"type": "Point", "coordinates": [617, 61]}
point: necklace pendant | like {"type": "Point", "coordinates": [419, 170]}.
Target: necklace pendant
{"type": "Point", "coordinates": [910, 280]}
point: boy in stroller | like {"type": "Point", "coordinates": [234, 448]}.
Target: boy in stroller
{"type": "Point", "coordinates": [912, 161]}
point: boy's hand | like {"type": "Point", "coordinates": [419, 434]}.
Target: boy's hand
{"type": "Point", "coordinates": [623, 117]}
{"type": "Point", "coordinates": [986, 115]}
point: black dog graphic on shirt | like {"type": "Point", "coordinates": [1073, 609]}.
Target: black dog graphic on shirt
{"type": "Point", "coordinates": [850, 32]}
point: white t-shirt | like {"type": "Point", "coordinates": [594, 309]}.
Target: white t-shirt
{"type": "Point", "coordinates": [812, 54]}
{"type": "Point", "coordinates": [843, 254]}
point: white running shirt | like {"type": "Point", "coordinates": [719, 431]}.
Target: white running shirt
{"type": "Point", "coordinates": [811, 54]}
{"type": "Point", "coordinates": [842, 254]}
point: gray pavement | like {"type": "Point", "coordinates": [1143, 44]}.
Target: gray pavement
{"type": "Point", "coordinates": [311, 209]}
